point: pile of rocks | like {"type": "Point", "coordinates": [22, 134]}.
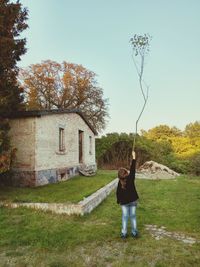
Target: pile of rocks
{"type": "Point", "coordinates": [154, 170]}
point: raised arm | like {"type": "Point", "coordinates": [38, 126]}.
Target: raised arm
{"type": "Point", "coordinates": [132, 169]}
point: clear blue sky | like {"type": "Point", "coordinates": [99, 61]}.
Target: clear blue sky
{"type": "Point", "coordinates": [96, 34]}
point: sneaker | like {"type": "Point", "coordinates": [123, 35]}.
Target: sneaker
{"type": "Point", "coordinates": [123, 236]}
{"type": "Point", "coordinates": [135, 234]}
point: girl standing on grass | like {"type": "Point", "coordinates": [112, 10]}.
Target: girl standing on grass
{"type": "Point", "coordinates": [127, 197]}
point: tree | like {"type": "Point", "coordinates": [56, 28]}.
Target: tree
{"type": "Point", "coordinates": [192, 130]}
{"type": "Point", "coordinates": [51, 85]}
{"type": "Point", "coordinates": [195, 164]}
{"type": "Point", "coordinates": [114, 150]}
{"type": "Point", "coordinates": [162, 132]}
{"type": "Point", "coordinates": [12, 22]}
{"type": "Point", "coordinates": [182, 146]}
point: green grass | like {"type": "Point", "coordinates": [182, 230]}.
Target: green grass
{"type": "Point", "coordinates": [61, 192]}
{"type": "Point", "coordinates": [35, 238]}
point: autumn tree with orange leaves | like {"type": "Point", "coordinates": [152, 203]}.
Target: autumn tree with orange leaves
{"type": "Point", "coordinates": [51, 85]}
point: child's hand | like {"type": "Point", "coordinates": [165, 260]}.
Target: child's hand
{"type": "Point", "coordinates": [133, 154]}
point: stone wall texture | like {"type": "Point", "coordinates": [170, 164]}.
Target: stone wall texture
{"type": "Point", "coordinates": [47, 154]}
{"type": "Point", "coordinates": [22, 135]}
{"type": "Point", "coordinates": [38, 159]}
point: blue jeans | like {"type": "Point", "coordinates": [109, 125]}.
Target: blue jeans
{"type": "Point", "coordinates": [129, 210]}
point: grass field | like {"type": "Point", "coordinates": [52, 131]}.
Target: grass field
{"type": "Point", "coordinates": [35, 238]}
{"type": "Point", "coordinates": [72, 190]}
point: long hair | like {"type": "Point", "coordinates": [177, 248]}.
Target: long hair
{"type": "Point", "coordinates": [122, 175]}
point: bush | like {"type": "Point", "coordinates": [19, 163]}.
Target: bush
{"type": "Point", "coordinates": [195, 164]}
{"type": "Point", "coordinates": [180, 166]}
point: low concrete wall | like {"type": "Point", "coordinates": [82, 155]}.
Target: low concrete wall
{"type": "Point", "coordinates": [84, 206]}
{"type": "Point", "coordinates": [89, 203]}
{"type": "Point", "coordinates": [58, 208]}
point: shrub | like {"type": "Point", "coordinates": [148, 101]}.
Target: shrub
{"type": "Point", "coordinates": [195, 164]}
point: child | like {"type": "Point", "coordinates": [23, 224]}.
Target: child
{"type": "Point", "coordinates": [127, 197]}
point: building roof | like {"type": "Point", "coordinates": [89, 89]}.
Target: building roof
{"type": "Point", "coordinates": [40, 113]}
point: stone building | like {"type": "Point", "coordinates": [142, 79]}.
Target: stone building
{"type": "Point", "coordinates": [51, 146]}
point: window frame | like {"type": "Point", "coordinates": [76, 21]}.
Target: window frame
{"type": "Point", "coordinates": [61, 139]}
{"type": "Point", "coordinates": [90, 145]}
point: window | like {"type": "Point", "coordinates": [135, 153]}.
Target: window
{"type": "Point", "coordinates": [80, 141]}
{"type": "Point", "coordinates": [61, 139]}
{"type": "Point", "coordinates": [90, 145]}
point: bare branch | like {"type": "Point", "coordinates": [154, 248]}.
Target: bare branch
{"type": "Point", "coordinates": [140, 46]}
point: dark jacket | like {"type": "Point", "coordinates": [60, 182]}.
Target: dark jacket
{"type": "Point", "coordinates": [129, 194]}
